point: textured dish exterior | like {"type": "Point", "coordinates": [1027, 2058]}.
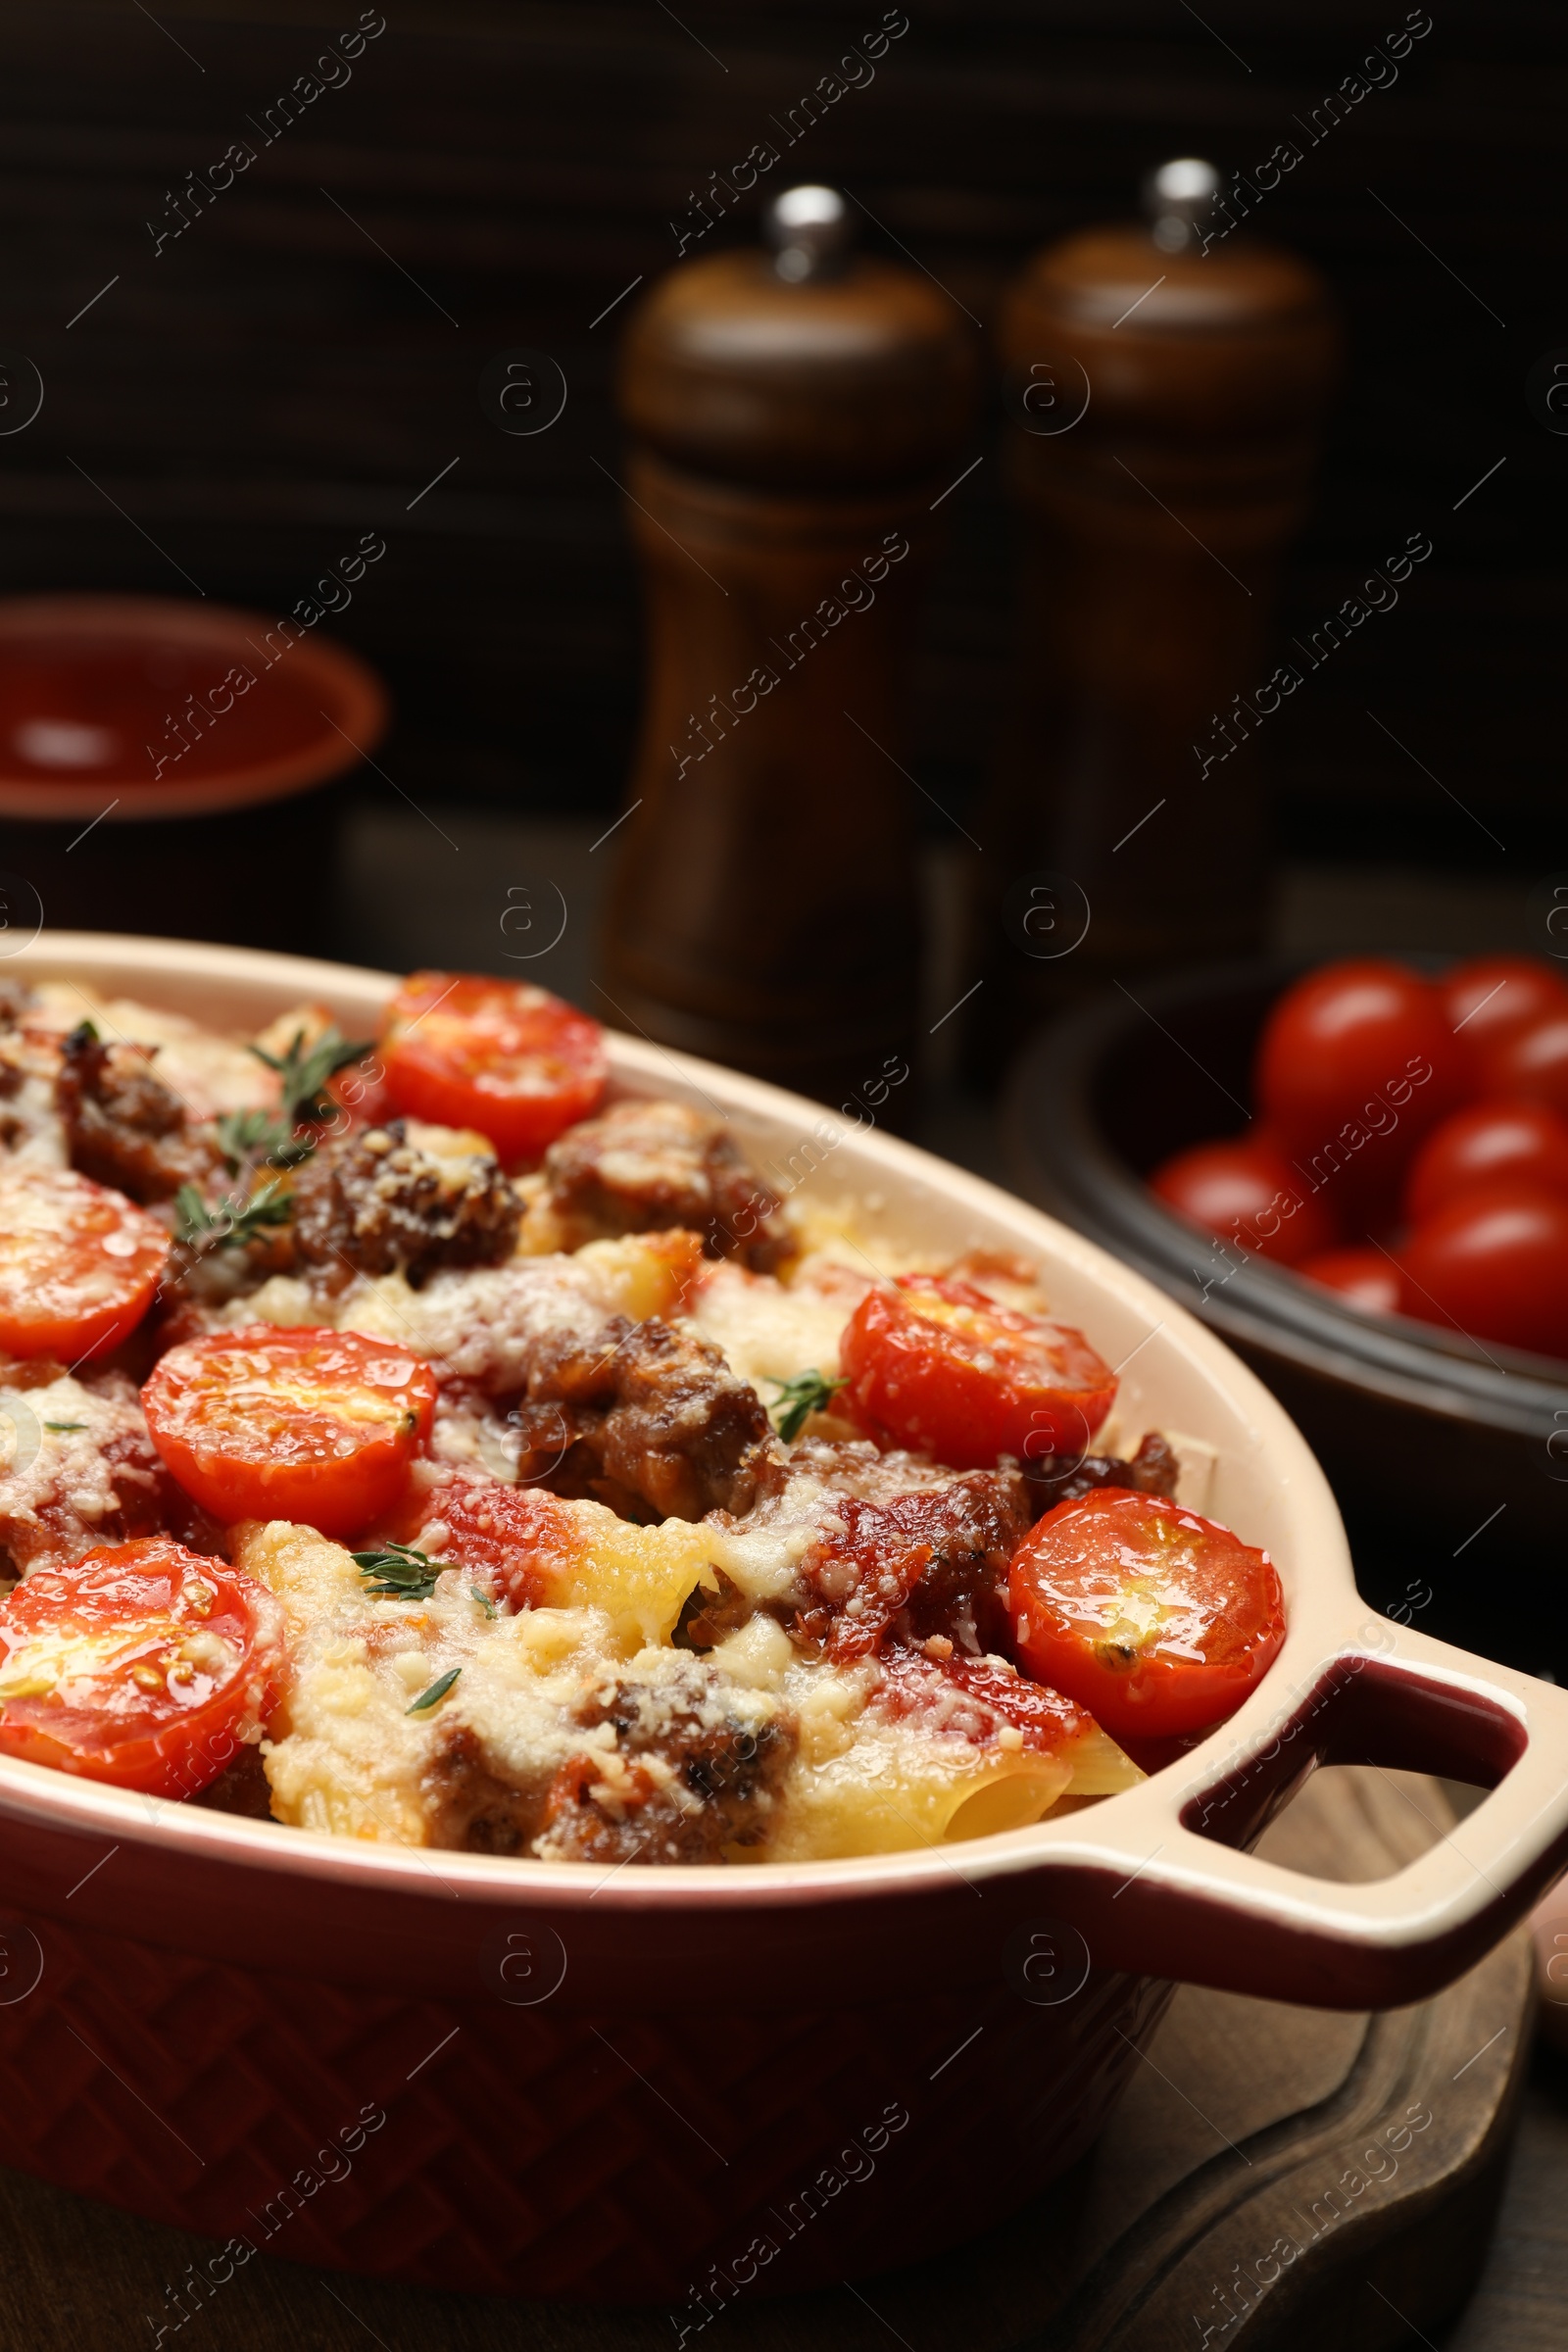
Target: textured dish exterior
{"type": "Point", "coordinates": [534, 2153]}
{"type": "Point", "coordinates": [603, 2084]}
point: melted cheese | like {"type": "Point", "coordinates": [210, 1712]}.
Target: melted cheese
{"type": "Point", "coordinates": [480, 1324]}
{"type": "Point", "coordinates": [769, 1332]}
{"type": "Point", "coordinates": [209, 1073]}
{"type": "Point", "coordinates": [861, 1783]}
{"type": "Point", "coordinates": [347, 1754]}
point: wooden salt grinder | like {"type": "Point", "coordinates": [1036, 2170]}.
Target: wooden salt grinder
{"type": "Point", "coordinates": [791, 414]}
{"type": "Point", "coordinates": [1153, 521]}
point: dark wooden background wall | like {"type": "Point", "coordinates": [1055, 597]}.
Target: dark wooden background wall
{"type": "Point", "coordinates": [272, 384]}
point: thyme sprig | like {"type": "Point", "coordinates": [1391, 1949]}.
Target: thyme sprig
{"type": "Point", "coordinates": [252, 1137]}
{"type": "Point", "coordinates": [436, 1693]}
{"type": "Point", "coordinates": [402, 1572]}
{"type": "Point", "coordinates": [798, 1399]}
{"type": "Point", "coordinates": [304, 1070]}
{"type": "Point", "coordinates": [230, 1224]}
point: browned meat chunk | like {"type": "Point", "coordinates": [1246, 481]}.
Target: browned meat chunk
{"type": "Point", "coordinates": [643, 1417]}
{"type": "Point", "coordinates": [932, 1562]}
{"type": "Point", "coordinates": [377, 1204]}
{"type": "Point", "coordinates": [693, 1766]}
{"type": "Point", "coordinates": [691, 1773]}
{"type": "Point", "coordinates": [892, 1547]}
{"type": "Point", "coordinates": [476, 1808]}
{"type": "Point", "coordinates": [1062, 1477]}
{"type": "Point", "coordinates": [125, 1126]}
{"type": "Point", "coordinates": [240, 1787]}
{"type": "Point", "coordinates": [642, 1166]}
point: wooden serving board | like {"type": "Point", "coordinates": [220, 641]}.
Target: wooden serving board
{"type": "Point", "coordinates": [1276, 2177]}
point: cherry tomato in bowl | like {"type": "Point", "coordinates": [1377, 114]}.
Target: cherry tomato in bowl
{"type": "Point", "coordinates": [78, 1265]}
{"type": "Point", "coordinates": [304, 1424]}
{"type": "Point", "coordinates": [1490, 999]}
{"type": "Point", "coordinates": [1356, 1062]}
{"type": "Point", "coordinates": [500, 1056]}
{"type": "Point", "coordinates": [1367, 1279]}
{"type": "Point", "coordinates": [1530, 1063]}
{"type": "Point", "coordinates": [143, 1664]}
{"type": "Point", "coordinates": [1494, 1264]}
{"type": "Point", "coordinates": [1158, 1621]}
{"type": "Point", "coordinates": [1244, 1190]}
{"type": "Point", "coordinates": [1483, 1143]}
{"type": "Point", "coordinates": [944, 1368]}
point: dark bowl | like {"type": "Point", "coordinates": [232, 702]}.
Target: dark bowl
{"type": "Point", "coordinates": [1448, 1458]}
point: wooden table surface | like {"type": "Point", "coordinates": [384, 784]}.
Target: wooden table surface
{"type": "Point", "coordinates": [1522, 2302]}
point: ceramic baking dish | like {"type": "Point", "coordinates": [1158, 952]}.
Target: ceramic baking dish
{"type": "Point", "coordinates": [691, 2083]}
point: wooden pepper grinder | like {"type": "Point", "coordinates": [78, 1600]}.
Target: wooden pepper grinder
{"type": "Point", "coordinates": [792, 416]}
{"type": "Point", "coordinates": [1166, 385]}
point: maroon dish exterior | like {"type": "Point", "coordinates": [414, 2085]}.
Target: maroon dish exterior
{"type": "Point", "coordinates": [697, 2085]}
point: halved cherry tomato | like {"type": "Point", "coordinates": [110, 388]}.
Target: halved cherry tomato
{"type": "Point", "coordinates": [143, 1664]}
{"type": "Point", "coordinates": [78, 1265]}
{"type": "Point", "coordinates": [1246, 1192]}
{"type": "Point", "coordinates": [1356, 1062]}
{"type": "Point", "coordinates": [1493, 1263]}
{"type": "Point", "coordinates": [1489, 998]}
{"type": "Point", "coordinates": [511, 1059]}
{"type": "Point", "coordinates": [1155, 1620]}
{"type": "Point", "coordinates": [1488, 1141]}
{"type": "Point", "coordinates": [1363, 1278]}
{"type": "Point", "coordinates": [944, 1368]}
{"type": "Point", "coordinates": [265, 1423]}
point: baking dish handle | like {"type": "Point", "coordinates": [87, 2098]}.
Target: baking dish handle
{"type": "Point", "coordinates": [1190, 1901]}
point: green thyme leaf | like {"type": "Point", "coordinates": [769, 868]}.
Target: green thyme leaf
{"type": "Point", "coordinates": [228, 1224]}
{"type": "Point", "coordinates": [255, 1135]}
{"type": "Point", "coordinates": [246, 1135]}
{"type": "Point", "coordinates": [191, 1220]}
{"type": "Point", "coordinates": [400, 1572]}
{"type": "Point", "coordinates": [304, 1071]}
{"type": "Point", "coordinates": [807, 1392]}
{"type": "Point", "coordinates": [484, 1599]}
{"type": "Point", "coordinates": [436, 1693]}
{"type": "Point", "coordinates": [63, 1425]}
